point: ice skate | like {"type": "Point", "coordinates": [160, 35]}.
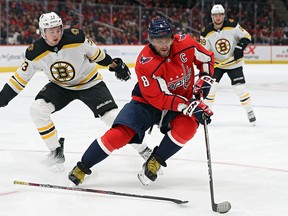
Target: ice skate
{"type": "Point", "coordinates": [78, 173]}
{"type": "Point", "coordinates": [55, 159]}
{"type": "Point", "coordinates": [251, 117]}
{"type": "Point", "coordinates": [150, 170]}
{"type": "Point", "coordinates": [145, 154]}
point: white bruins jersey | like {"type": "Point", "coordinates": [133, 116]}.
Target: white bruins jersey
{"type": "Point", "coordinates": [70, 64]}
{"type": "Point", "coordinates": [222, 42]}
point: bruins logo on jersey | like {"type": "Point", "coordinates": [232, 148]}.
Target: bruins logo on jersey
{"type": "Point", "coordinates": [62, 71]}
{"type": "Point", "coordinates": [222, 46]}
{"type": "Point", "coordinates": [31, 47]}
{"type": "Point", "coordinates": [75, 31]}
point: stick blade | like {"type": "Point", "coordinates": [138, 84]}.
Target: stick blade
{"type": "Point", "coordinates": [180, 201]}
{"type": "Point", "coordinates": [223, 207]}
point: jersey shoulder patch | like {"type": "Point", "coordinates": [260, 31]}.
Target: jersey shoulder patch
{"type": "Point", "coordinates": [73, 35]}
{"type": "Point", "coordinates": [230, 23]}
{"type": "Point", "coordinates": [207, 30]}
{"type": "Point", "coordinates": [36, 49]}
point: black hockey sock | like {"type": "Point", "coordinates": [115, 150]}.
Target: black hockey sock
{"type": "Point", "coordinates": [167, 148]}
{"type": "Point", "coordinates": [93, 155]}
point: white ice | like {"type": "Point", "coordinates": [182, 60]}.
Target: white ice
{"type": "Point", "coordinates": [250, 164]}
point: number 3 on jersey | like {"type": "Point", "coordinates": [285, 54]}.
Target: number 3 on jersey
{"type": "Point", "coordinates": [145, 81]}
{"type": "Point", "coordinates": [24, 65]}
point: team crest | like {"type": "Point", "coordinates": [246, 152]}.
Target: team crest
{"type": "Point", "coordinates": [182, 37]}
{"type": "Point", "coordinates": [31, 47]}
{"type": "Point", "coordinates": [75, 31]}
{"type": "Point", "coordinates": [144, 60]}
{"type": "Point", "coordinates": [62, 71]}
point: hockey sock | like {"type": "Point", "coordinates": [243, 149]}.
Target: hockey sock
{"type": "Point", "coordinates": [93, 155]}
{"type": "Point", "coordinates": [167, 148]}
{"type": "Point", "coordinates": [114, 138]}
{"type": "Point", "coordinates": [212, 94]}
{"type": "Point", "coordinates": [244, 96]}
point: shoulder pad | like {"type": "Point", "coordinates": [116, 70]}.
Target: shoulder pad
{"type": "Point", "coordinates": [230, 23]}
{"type": "Point", "coordinates": [36, 49]}
{"type": "Point", "coordinates": [73, 35]}
{"type": "Point", "coordinates": [208, 29]}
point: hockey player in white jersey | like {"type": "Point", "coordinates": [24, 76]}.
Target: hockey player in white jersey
{"type": "Point", "coordinates": [69, 60]}
{"type": "Point", "coordinates": [227, 39]}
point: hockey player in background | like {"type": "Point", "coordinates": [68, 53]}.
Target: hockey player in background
{"type": "Point", "coordinates": [69, 60]}
{"type": "Point", "coordinates": [226, 38]}
{"type": "Point", "coordinates": [165, 95]}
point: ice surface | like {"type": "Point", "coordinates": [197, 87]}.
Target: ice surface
{"type": "Point", "coordinates": [250, 164]}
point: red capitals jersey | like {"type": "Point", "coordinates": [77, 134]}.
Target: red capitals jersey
{"type": "Point", "coordinates": [165, 83]}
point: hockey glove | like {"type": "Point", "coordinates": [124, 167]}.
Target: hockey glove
{"type": "Point", "coordinates": [121, 71]}
{"type": "Point", "coordinates": [203, 84]}
{"type": "Point", "coordinates": [200, 110]}
{"type": "Point", "coordinates": [238, 52]}
{"type": "Point", "coordinates": [6, 95]}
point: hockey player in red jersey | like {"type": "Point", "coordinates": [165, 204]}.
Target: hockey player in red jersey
{"type": "Point", "coordinates": [165, 94]}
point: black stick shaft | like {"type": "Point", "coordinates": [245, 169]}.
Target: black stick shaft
{"type": "Point", "coordinates": [214, 206]}
{"type": "Point", "coordinates": [177, 201]}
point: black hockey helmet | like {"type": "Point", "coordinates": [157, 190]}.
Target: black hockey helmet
{"type": "Point", "coordinates": [159, 28]}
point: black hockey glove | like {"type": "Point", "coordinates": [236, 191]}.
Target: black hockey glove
{"type": "Point", "coordinates": [6, 95]}
{"type": "Point", "coordinates": [200, 110]}
{"type": "Point", "coordinates": [121, 71]}
{"type": "Point", "coordinates": [238, 52]}
{"type": "Point", "coordinates": [203, 84]}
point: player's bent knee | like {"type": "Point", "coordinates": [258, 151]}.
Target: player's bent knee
{"type": "Point", "coordinates": [117, 137]}
{"type": "Point", "coordinates": [183, 128]}
{"type": "Point", "coordinates": [41, 110]}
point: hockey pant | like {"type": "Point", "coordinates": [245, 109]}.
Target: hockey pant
{"type": "Point", "coordinates": [183, 128]}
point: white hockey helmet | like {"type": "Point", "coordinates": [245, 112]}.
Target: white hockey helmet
{"type": "Point", "coordinates": [217, 9]}
{"type": "Point", "coordinates": [49, 20]}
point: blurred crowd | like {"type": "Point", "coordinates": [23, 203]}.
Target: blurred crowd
{"type": "Point", "coordinates": [125, 22]}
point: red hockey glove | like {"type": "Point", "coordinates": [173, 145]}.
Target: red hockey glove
{"type": "Point", "coordinates": [200, 110]}
{"type": "Point", "coordinates": [203, 84]}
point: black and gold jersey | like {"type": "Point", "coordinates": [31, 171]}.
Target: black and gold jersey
{"type": "Point", "coordinates": [222, 42]}
{"type": "Point", "coordinates": [70, 64]}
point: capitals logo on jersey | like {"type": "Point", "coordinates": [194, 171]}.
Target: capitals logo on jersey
{"type": "Point", "coordinates": [182, 37]}
{"type": "Point", "coordinates": [144, 60]}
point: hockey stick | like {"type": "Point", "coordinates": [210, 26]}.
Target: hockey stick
{"type": "Point", "coordinates": [229, 60]}
{"type": "Point", "coordinates": [177, 201]}
{"type": "Point", "coordinates": [222, 207]}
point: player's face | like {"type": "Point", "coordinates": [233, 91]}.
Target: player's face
{"type": "Point", "coordinates": [218, 18]}
{"type": "Point", "coordinates": [162, 45]}
{"type": "Point", "coordinates": [53, 35]}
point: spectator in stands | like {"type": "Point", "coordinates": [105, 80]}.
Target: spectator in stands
{"type": "Point", "coordinates": [118, 38]}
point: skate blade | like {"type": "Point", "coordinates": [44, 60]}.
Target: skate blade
{"type": "Point", "coordinates": [143, 178]}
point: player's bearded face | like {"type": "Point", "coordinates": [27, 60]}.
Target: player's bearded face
{"type": "Point", "coordinates": [53, 35]}
{"type": "Point", "coordinates": [218, 18]}
{"type": "Point", "coordinates": [162, 45]}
